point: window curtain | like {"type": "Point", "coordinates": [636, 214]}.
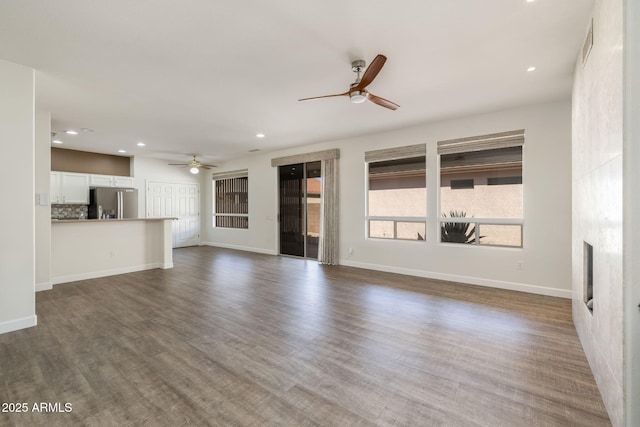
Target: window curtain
{"type": "Point", "coordinates": [328, 252]}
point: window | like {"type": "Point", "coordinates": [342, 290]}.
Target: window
{"type": "Point", "coordinates": [231, 200]}
{"type": "Point", "coordinates": [459, 184]}
{"type": "Point", "coordinates": [397, 193]}
{"type": "Point", "coordinates": [489, 211]}
{"type": "Point", "coordinates": [505, 180]}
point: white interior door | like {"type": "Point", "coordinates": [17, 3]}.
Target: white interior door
{"type": "Point", "coordinates": [181, 201]}
{"type": "Point", "coordinates": [159, 202]}
{"type": "Point", "coordinates": [186, 231]}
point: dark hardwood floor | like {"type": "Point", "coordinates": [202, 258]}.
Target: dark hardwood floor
{"type": "Point", "coordinates": [238, 339]}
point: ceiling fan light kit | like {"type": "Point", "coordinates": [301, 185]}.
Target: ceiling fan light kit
{"type": "Point", "coordinates": [357, 91]}
{"type": "Point", "coordinates": [194, 165]}
{"type": "Point", "coordinates": [357, 96]}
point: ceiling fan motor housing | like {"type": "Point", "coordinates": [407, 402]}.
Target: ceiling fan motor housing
{"type": "Point", "coordinates": [357, 96]}
{"type": "Point", "coordinates": [358, 65]}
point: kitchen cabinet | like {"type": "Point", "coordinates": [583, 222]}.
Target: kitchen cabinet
{"type": "Point", "coordinates": [122, 181]}
{"type": "Point", "coordinates": [110, 181]}
{"type": "Point", "coordinates": [73, 188]}
{"type": "Point", "coordinates": [69, 188]}
{"type": "Point", "coordinates": [56, 187]}
{"type": "Point", "coordinates": [100, 181]}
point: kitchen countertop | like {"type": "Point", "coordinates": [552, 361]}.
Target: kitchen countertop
{"type": "Point", "coordinates": [74, 220]}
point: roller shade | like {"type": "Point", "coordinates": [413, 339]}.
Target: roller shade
{"type": "Point", "coordinates": [242, 173]}
{"type": "Point", "coordinates": [396, 153]}
{"type": "Point", "coordinates": [483, 142]}
{"type": "Point", "coordinates": [306, 158]}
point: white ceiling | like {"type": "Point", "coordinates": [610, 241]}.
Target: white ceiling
{"type": "Point", "coordinates": [204, 76]}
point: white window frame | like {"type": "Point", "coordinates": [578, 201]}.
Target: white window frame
{"type": "Point", "coordinates": [244, 173]}
{"type": "Point", "coordinates": [397, 153]}
{"type": "Point", "coordinates": [480, 143]}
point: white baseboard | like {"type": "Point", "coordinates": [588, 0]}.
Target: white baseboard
{"type": "Point", "coordinates": [17, 324]}
{"type": "Point", "coordinates": [522, 287]}
{"type": "Point", "coordinates": [241, 248]}
{"type": "Point", "coordinates": [167, 265]}
{"type": "Point", "coordinates": [46, 286]}
{"type": "Point", "coordinates": [105, 273]}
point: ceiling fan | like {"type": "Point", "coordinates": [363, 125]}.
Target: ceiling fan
{"type": "Point", "coordinates": [194, 165]}
{"type": "Point", "coordinates": [357, 91]}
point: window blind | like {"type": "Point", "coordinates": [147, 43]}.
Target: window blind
{"type": "Point", "coordinates": [396, 153]}
{"type": "Point", "coordinates": [483, 142]}
{"type": "Point", "coordinates": [242, 173]}
{"type": "Point", "coordinates": [306, 158]}
{"type": "Point", "coordinates": [231, 199]}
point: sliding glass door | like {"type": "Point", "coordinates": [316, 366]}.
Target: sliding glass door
{"type": "Point", "coordinates": [291, 209]}
{"type": "Point", "coordinates": [313, 189]}
{"type": "Point", "coordinates": [300, 195]}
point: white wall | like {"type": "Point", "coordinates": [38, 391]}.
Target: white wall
{"type": "Point", "coordinates": [43, 212]}
{"type": "Point", "coordinates": [17, 248]}
{"type": "Point", "coordinates": [598, 203]}
{"type": "Point", "coordinates": [631, 154]}
{"type": "Point", "coordinates": [547, 202]}
{"type": "Point", "coordinates": [261, 235]}
{"type": "Point", "coordinates": [145, 169]}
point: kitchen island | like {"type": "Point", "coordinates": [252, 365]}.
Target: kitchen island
{"type": "Point", "coordinates": [90, 248]}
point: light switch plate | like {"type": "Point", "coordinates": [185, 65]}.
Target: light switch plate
{"type": "Point", "coordinates": [42, 199]}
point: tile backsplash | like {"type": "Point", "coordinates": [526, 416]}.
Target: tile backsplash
{"type": "Point", "coordinates": [69, 211]}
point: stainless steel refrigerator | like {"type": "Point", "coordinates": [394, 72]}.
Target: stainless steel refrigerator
{"type": "Point", "coordinates": [113, 202]}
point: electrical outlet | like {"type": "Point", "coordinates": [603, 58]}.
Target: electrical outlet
{"type": "Point", "coordinates": [111, 254]}
{"type": "Point", "coordinates": [520, 265]}
{"type": "Point", "coordinates": [350, 251]}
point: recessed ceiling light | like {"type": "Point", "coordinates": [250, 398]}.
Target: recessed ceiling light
{"type": "Point", "coordinates": [122, 151]}
{"type": "Point", "coordinates": [57, 141]}
{"type": "Point", "coordinates": [530, 69]}
{"type": "Point", "coordinates": [141, 144]}
{"type": "Point", "coordinates": [530, 1]}
{"type": "Point", "coordinates": [260, 135]}
{"type": "Point", "coordinates": [71, 132]}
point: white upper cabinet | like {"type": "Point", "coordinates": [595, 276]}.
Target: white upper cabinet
{"type": "Point", "coordinates": [100, 181]}
{"type": "Point", "coordinates": [56, 187]}
{"type": "Point", "coordinates": [69, 188]}
{"type": "Point", "coordinates": [73, 188]}
{"type": "Point", "coordinates": [110, 181]}
{"type": "Point", "coordinates": [122, 181]}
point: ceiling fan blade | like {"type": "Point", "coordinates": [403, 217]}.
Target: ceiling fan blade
{"type": "Point", "coordinates": [371, 72]}
{"type": "Point", "coordinates": [382, 102]}
{"type": "Point", "coordinates": [326, 96]}
{"type": "Point", "coordinates": [178, 164]}
{"type": "Point", "coordinates": [208, 166]}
